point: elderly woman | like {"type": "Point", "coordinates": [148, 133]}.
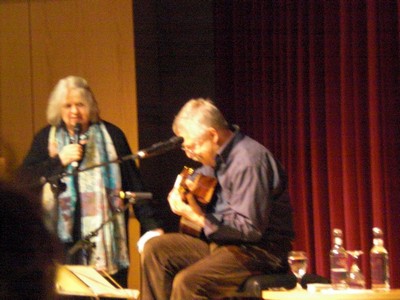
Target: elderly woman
{"type": "Point", "coordinates": [80, 202]}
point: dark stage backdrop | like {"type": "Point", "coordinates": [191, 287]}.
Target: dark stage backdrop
{"type": "Point", "coordinates": [318, 83]}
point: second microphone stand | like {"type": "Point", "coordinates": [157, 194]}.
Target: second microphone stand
{"type": "Point", "coordinates": [86, 245]}
{"type": "Point", "coordinates": [85, 242]}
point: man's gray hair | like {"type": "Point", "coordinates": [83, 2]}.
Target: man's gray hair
{"type": "Point", "coordinates": [196, 116]}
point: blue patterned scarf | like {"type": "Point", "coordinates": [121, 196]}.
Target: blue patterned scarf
{"type": "Point", "coordinates": [98, 187]}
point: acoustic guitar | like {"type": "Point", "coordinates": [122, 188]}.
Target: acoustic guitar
{"type": "Point", "coordinates": [201, 190]}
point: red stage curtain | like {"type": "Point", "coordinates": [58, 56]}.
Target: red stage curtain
{"type": "Point", "coordinates": [317, 82]}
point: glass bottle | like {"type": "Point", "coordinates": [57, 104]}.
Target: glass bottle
{"type": "Point", "coordinates": [379, 260]}
{"type": "Point", "coordinates": [338, 261]}
{"type": "Point", "coordinates": [355, 278]}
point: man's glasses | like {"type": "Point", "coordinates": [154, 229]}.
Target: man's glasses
{"type": "Point", "coordinates": [190, 148]}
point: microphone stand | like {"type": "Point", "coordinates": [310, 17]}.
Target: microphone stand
{"type": "Point", "coordinates": [85, 243]}
{"type": "Point", "coordinates": [153, 150]}
{"type": "Point", "coordinates": [57, 187]}
{"type": "Point", "coordinates": [75, 172]}
{"type": "Point", "coordinates": [76, 230]}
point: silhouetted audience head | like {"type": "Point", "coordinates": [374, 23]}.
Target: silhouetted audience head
{"type": "Point", "coordinates": [28, 251]}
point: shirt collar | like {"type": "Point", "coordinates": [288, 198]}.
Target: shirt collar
{"type": "Point", "coordinates": [226, 148]}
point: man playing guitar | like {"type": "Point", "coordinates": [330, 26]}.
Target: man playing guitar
{"type": "Point", "coordinates": [245, 227]}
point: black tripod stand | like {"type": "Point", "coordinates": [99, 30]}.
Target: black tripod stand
{"type": "Point", "coordinates": [86, 245]}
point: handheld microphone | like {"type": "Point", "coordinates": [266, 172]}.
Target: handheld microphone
{"type": "Point", "coordinates": [135, 195]}
{"type": "Point", "coordinates": [77, 134]}
{"type": "Point", "coordinates": [161, 147]}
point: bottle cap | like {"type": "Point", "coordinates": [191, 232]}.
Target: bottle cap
{"type": "Point", "coordinates": [337, 232]}
{"type": "Point", "coordinates": [377, 232]}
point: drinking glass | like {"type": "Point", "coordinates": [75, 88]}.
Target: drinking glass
{"type": "Point", "coordinates": [355, 278]}
{"type": "Point", "coordinates": [298, 262]}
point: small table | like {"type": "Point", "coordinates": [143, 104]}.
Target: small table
{"type": "Point", "coordinates": [331, 295]}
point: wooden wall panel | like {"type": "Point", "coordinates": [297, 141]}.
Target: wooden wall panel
{"type": "Point", "coordinates": [15, 83]}
{"type": "Point", "coordinates": [92, 39]}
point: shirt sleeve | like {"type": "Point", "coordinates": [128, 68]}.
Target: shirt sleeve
{"type": "Point", "coordinates": [243, 206]}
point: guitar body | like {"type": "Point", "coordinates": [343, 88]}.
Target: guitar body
{"type": "Point", "coordinates": [201, 191]}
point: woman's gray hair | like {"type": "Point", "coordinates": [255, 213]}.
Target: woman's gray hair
{"type": "Point", "coordinates": [196, 116]}
{"type": "Point", "coordinates": [59, 94]}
